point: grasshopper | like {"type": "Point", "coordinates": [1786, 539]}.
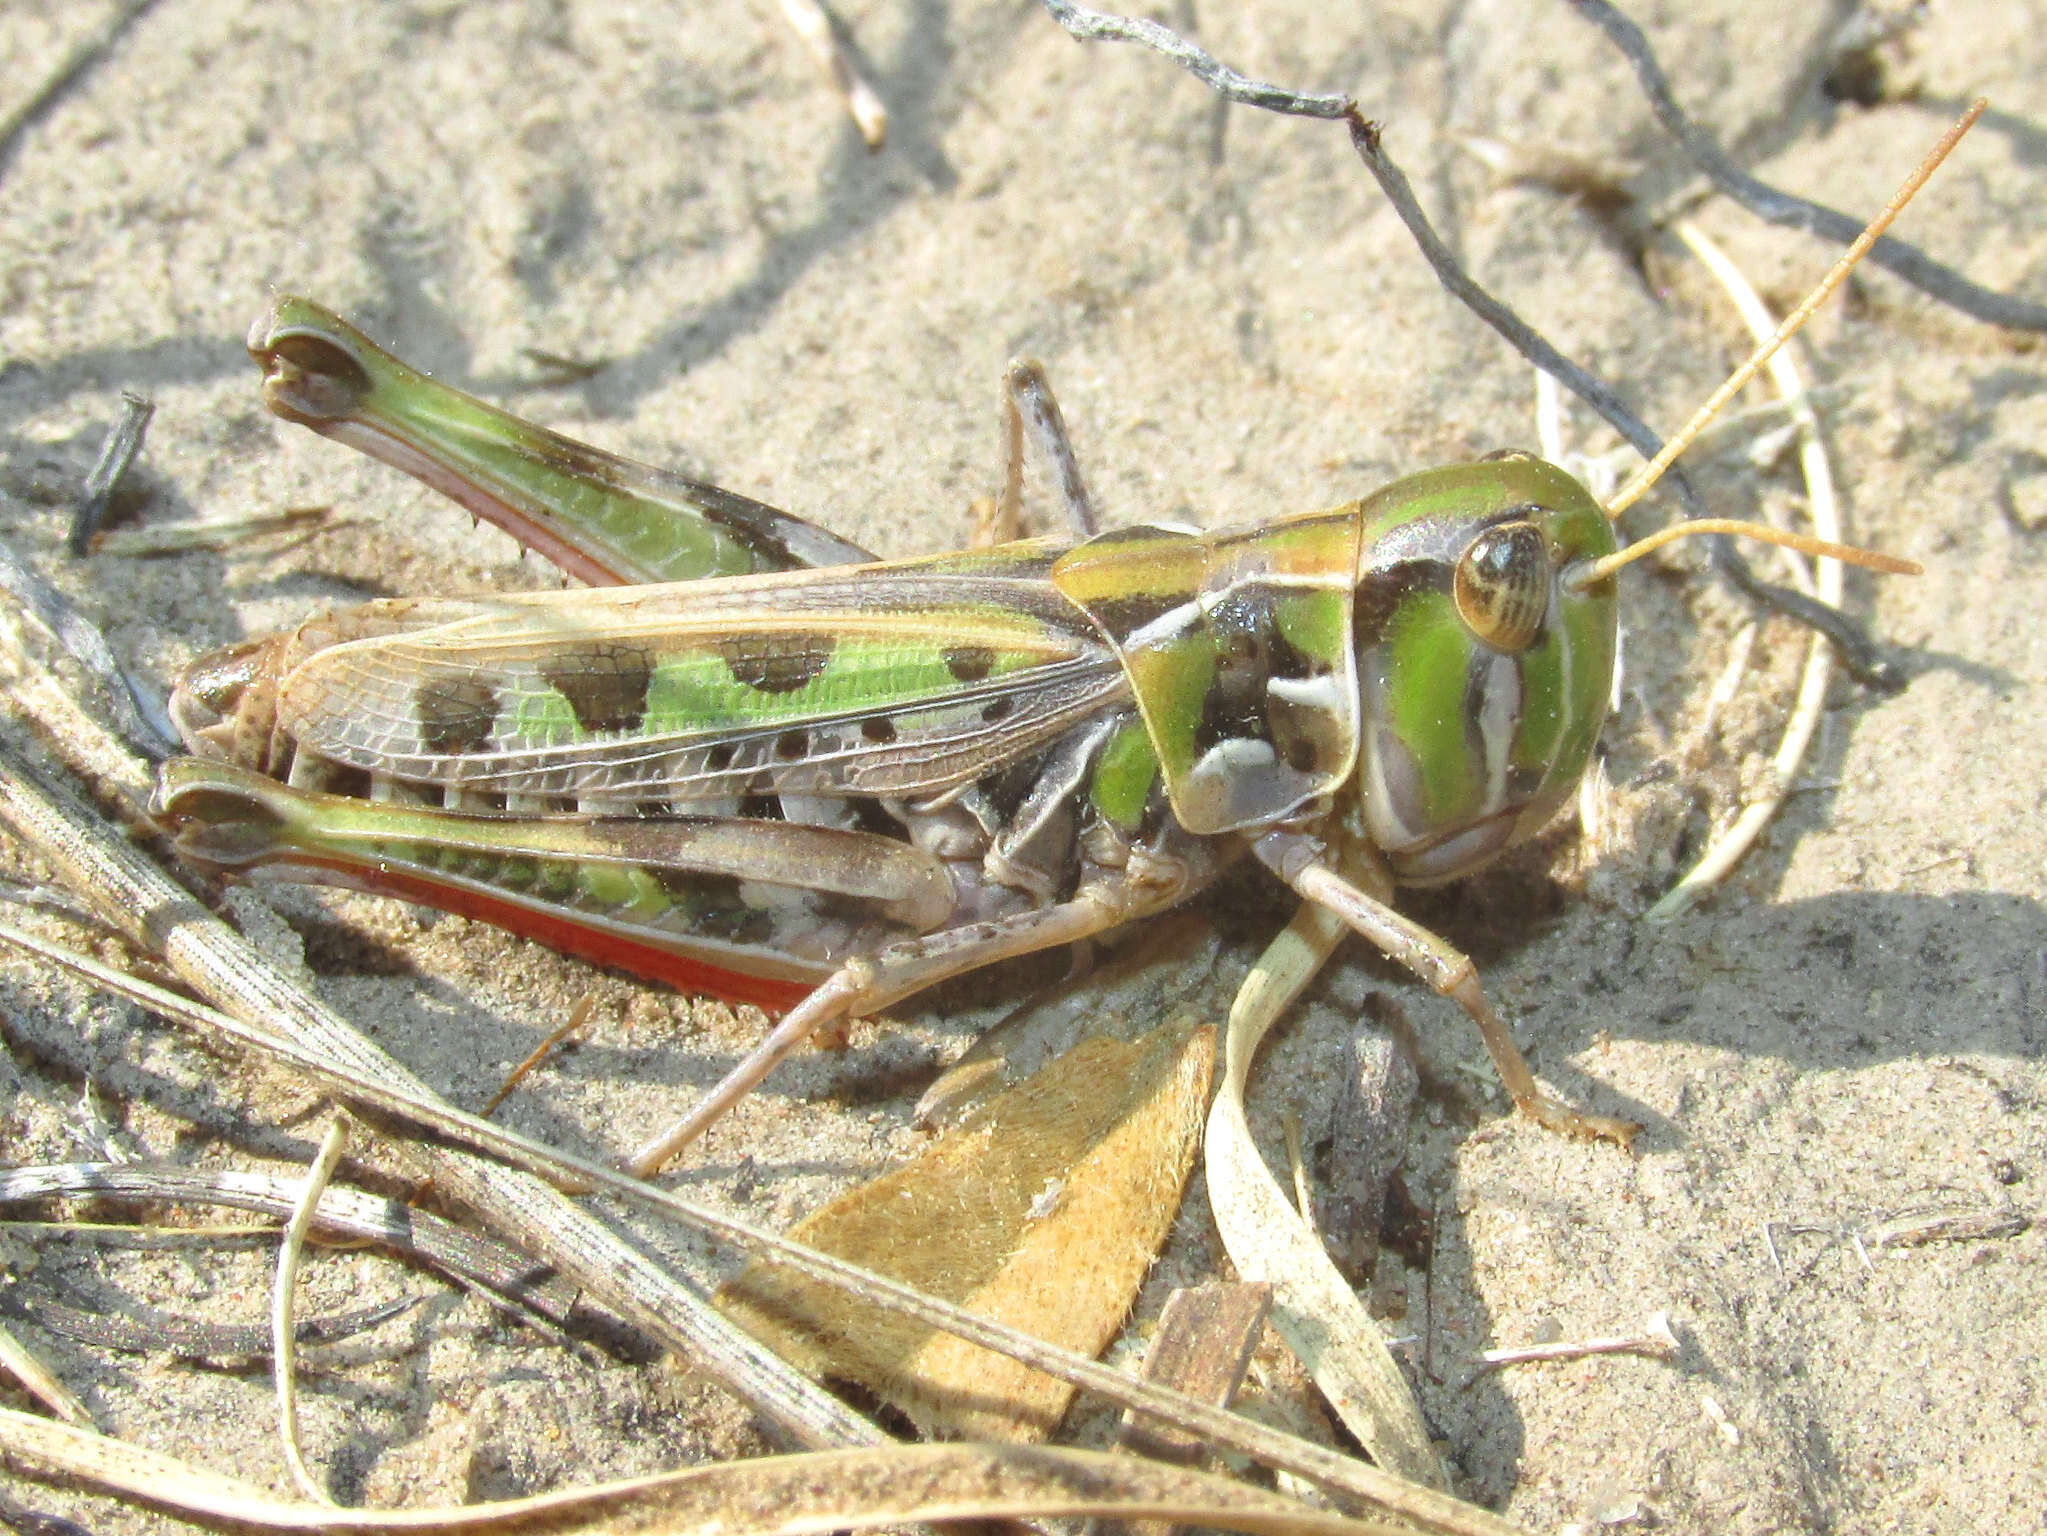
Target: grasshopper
{"type": "Point", "coordinates": [751, 760]}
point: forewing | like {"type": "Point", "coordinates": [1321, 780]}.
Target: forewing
{"type": "Point", "coordinates": [888, 681]}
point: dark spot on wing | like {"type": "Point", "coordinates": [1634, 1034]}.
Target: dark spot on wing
{"type": "Point", "coordinates": [997, 709]}
{"type": "Point", "coordinates": [605, 685]}
{"type": "Point", "coordinates": [719, 758]}
{"type": "Point", "coordinates": [969, 663]}
{"type": "Point", "coordinates": [457, 711]}
{"type": "Point", "coordinates": [778, 663]}
{"type": "Point", "coordinates": [878, 729]}
{"type": "Point", "coordinates": [791, 746]}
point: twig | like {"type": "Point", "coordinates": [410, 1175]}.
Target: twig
{"type": "Point", "coordinates": [505, 1276]}
{"type": "Point", "coordinates": [1916, 1229]}
{"type": "Point", "coordinates": [1656, 1340]}
{"type": "Point", "coordinates": [1100, 27]}
{"type": "Point", "coordinates": [142, 1331]}
{"type": "Point", "coordinates": [119, 452]}
{"type": "Point", "coordinates": [140, 1235]}
{"type": "Point", "coordinates": [1778, 207]}
{"type": "Point", "coordinates": [1518, 334]}
{"type": "Point", "coordinates": [282, 1289]}
{"type": "Point", "coordinates": [813, 23]}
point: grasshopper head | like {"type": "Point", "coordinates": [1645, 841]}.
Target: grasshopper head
{"type": "Point", "coordinates": [1483, 673]}
{"type": "Point", "coordinates": [1427, 640]}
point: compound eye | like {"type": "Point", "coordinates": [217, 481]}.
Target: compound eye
{"type": "Point", "coordinates": [1502, 585]}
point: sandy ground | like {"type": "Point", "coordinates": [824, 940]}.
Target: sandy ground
{"type": "Point", "coordinates": [1855, 1027]}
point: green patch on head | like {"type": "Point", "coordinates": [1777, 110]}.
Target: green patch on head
{"type": "Point", "coordinates": [1431, 658]}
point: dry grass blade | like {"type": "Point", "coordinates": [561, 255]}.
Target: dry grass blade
{"type": "Point", "coordinates": [155, 912]}
{"type": "Point", "coordinates": [347, 1215]}
{"type": "Point", "coordinates": [770, 1496]}
{"type": "Point", "coordinates": [22, 805]}
{"type": "Point", "coordinates": [18, 1361]}
{"type": "Point", "coordinates": [1314, 1308]}
{"type": "Point", "coordinates": [1726, 849]}
{"type": "Point", "coordinates": [282, 1293]}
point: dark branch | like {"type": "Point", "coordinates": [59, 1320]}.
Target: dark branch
{"type": "Point", "coordinates": [1766, 202]}
{"type": "Point", "coordinates": [1099, 26]}
{"type": "Point", "coordinates": [1858, 654]}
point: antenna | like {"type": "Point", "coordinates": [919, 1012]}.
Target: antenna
{"type": "Point", "coordinates": [1598, 570]}
{"type": "Point", "coordinates": [1651, 472]}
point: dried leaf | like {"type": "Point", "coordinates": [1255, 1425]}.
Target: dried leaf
{"type": "Point", "coordinates": [1044, 1210]}
{"type": "Point", "coordinates": [1202, 1346]}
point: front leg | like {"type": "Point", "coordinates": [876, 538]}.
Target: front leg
{"type": "Point", "coordinates": [1300, 860]}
